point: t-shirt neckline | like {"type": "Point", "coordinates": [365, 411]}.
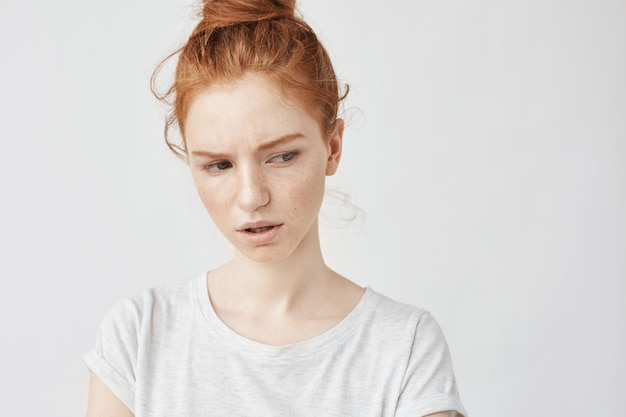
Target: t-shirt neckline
{"type": "Point", "coordinates": [307, 347]}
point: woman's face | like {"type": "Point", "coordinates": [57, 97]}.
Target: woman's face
{"type": "Point", "coordinates": [259, 162]}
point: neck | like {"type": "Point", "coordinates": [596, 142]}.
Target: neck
{"type": "Point", "coordinates": [277, 286]}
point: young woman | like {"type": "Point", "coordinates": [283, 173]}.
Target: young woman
{"type": "Point", "coordinates": [275, 331]}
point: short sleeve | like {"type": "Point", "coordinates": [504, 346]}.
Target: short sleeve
{"type": "Point", "coordinates": [114, 356]}
{"type": "Point", "coordinates": [429, 385]}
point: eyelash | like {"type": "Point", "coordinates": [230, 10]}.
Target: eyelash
{"type": "Point", "coordinates": [282, 158]}
{"type": "Point", "coordinates": [215, 166]}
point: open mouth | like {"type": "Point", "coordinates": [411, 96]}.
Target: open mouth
{"type": "Point", "coordinates": [259, 229]}
{"type": "Point", "coordinates": [260, 235]}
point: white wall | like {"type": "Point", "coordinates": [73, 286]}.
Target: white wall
{"type": "Point", "coordinates": [486, 146]}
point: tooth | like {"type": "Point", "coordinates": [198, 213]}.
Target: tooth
{"type": "Point", "coordinates": [258, 229]}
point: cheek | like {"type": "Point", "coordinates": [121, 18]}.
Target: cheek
{"type": "Point", "coordinates": [211, 202]}
{"type": "Point", "coordinates": [307, 192]}
{"type": "Point", "coordinates": [212, 198]}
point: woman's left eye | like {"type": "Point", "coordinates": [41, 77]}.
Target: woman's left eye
{"type": "Point", "coordinates": [284, 157]}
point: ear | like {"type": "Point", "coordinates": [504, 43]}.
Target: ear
{"type": "Point", "coordinates": [334, 147]}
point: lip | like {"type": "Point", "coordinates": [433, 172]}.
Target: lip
{"type": "Point", "coordinates": [259, 238]}
{"type": "Point", "coordinates": [257, 225]}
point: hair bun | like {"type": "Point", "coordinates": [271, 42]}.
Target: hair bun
{"type": "Point", "coordinates": [222, 13]}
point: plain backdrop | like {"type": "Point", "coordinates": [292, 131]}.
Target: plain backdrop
{"type": "Point", "coordinates": [485, 148]}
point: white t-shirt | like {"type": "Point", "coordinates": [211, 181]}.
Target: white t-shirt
{"type": "Point", "coordinates": [166, 353]}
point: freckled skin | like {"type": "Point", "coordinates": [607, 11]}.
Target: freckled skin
{"type": "Point", "coordinates": [234, 120]}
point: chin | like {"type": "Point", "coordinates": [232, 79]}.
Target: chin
{"type": "Point", "coordinates": [284, 248]}
{"type": "Point", "coordinates": [265, 254]}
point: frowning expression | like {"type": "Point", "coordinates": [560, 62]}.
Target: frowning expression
{"type": "Point", "coordinates": [259, 162]}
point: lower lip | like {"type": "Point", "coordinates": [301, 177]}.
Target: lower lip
{"type": "Point", "coordinates": [260, 238]}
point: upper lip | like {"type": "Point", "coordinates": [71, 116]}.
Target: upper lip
{"type": "Point", "coordinates": [257, 225]}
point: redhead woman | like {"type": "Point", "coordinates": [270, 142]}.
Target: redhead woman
{"type": "Point", "coordinates": [274, 331]}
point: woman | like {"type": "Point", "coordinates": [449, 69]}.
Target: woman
{"type": "Point", "coordinates": [275, 331]}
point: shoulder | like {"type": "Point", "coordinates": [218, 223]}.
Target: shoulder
{"type": "Point", "coordinates": [398, 316]}
{"type": "Point", "coordinates": [132, 328]}
{"type": "Point", "coordinates": [428, 382]}
{"type": "Point", "coordinates": [152, 304]}
{"type": "Point", "coordinates": [411, 331]}
{"type": "Point", "coordinates": [166, 296]}
{"type": "Point", "coordinates": [133, 323]}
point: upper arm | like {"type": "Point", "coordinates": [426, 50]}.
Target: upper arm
{"type": "Point", "coordinates": [102, 402]}
{"type": "Point", "coordinates": [429, 384]}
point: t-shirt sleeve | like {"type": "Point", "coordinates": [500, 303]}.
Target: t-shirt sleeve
{"type": "Point", "coordinates": [429, 385]}
{"type": "Point", "coordinates": [113, 358]}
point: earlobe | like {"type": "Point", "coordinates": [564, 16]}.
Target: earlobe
{"type": "Point", "coordinates": [334, 145]}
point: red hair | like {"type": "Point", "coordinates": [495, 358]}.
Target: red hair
{"type": "Point", "coordinates": [263, 36]}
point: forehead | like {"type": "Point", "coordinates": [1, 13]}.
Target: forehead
{"type": "Point", "coordinates": [250, 107]}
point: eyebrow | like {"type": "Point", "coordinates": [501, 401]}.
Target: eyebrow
{"type": "Point", "coordinates": [263, 147]}
{"type": "Point", "coordinates": [280, 141]}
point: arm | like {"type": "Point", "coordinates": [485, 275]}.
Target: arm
{"type": "Point", "coordinates": [429, 384]}
{"type": "Point", "coordinates": [103, 403]}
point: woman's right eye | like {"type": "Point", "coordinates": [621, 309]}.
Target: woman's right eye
{"type": "Point", "coordinates": [218, 166]}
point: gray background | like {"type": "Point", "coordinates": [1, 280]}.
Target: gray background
{"type": "Point", "coordinates": [486, 147]}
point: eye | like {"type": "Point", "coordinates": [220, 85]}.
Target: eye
{"type": "Point", "coordinates": [284, 157]}
{"type": "Point", "coordinates": [218, 166]}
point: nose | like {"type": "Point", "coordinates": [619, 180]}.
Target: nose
{"type": "Point", "coordinates": [252, 190]}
